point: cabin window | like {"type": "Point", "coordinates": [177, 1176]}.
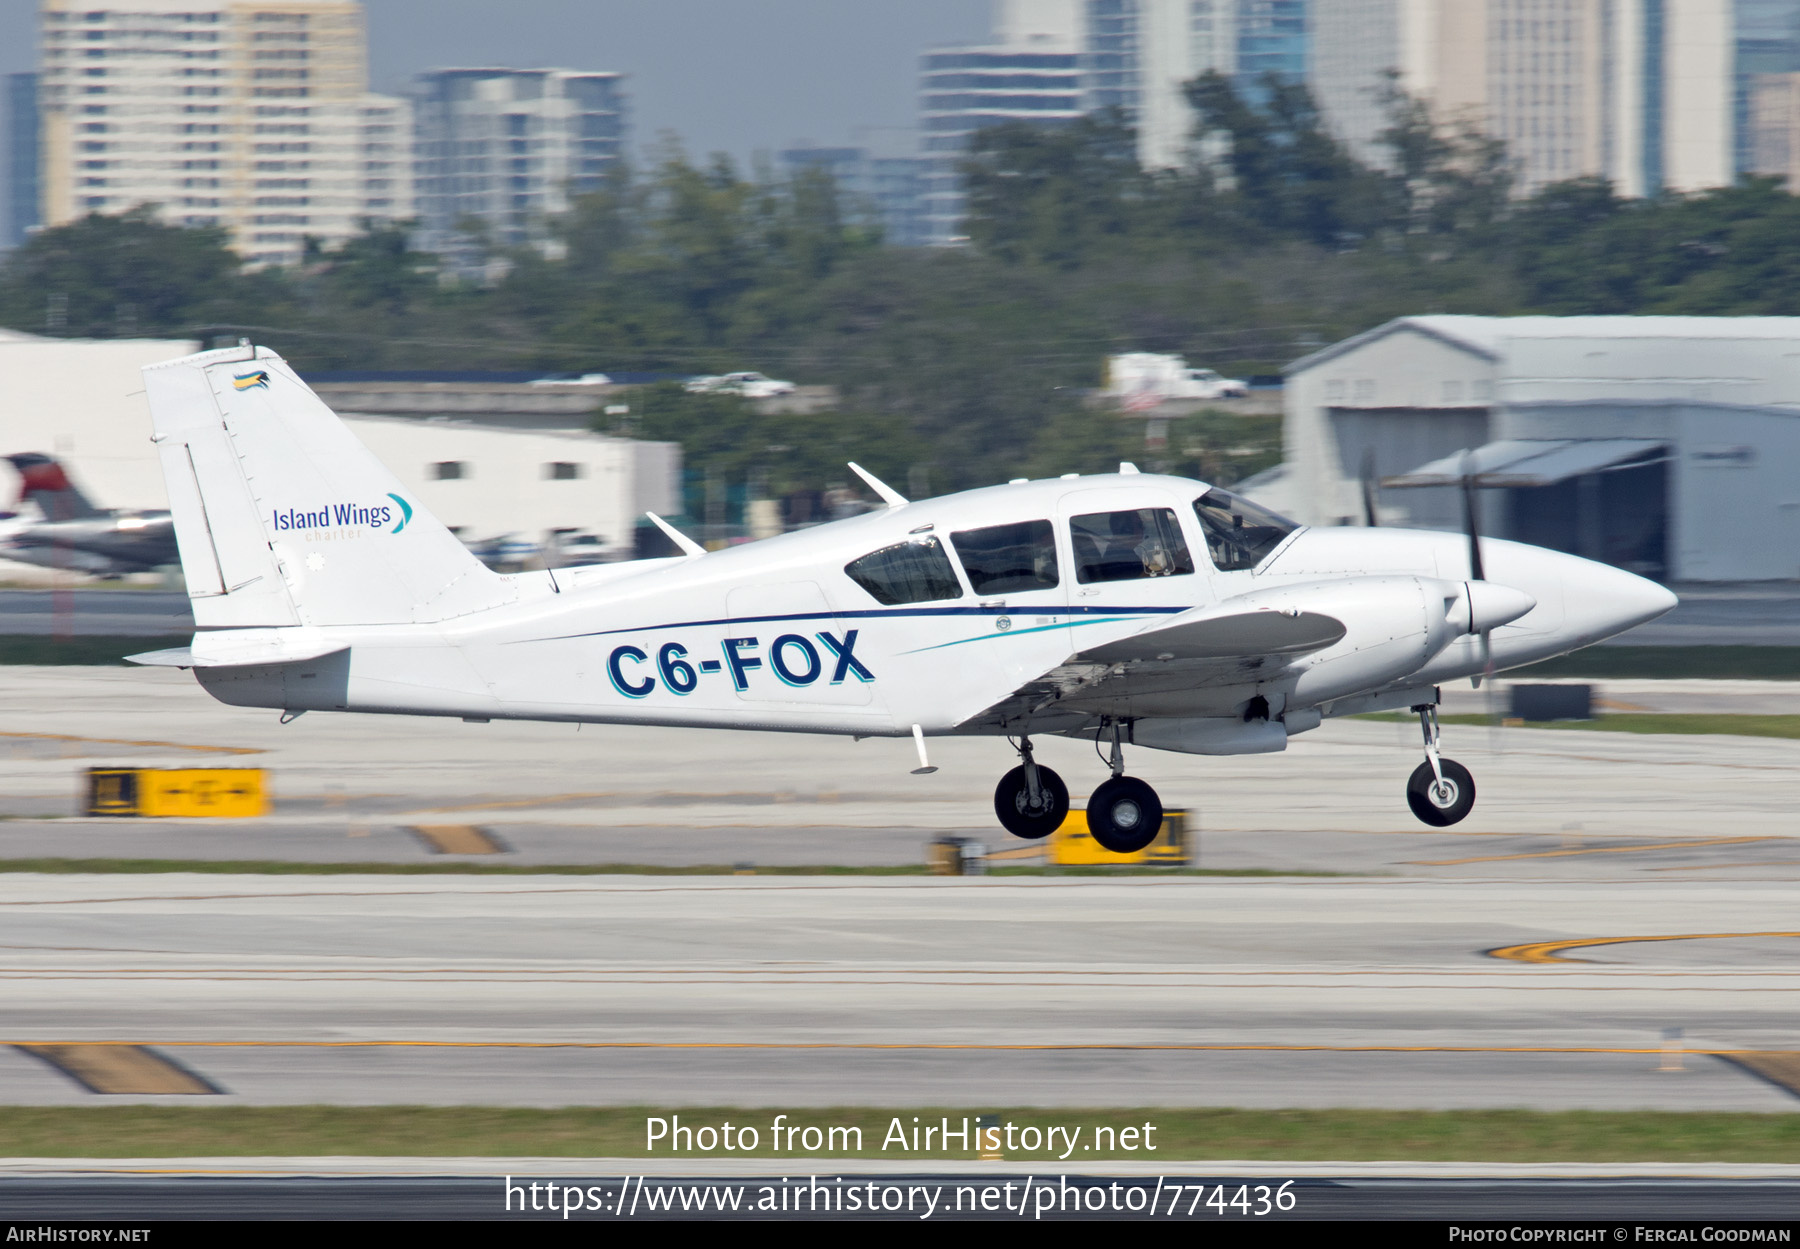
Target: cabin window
{"type": "Point", "coordinates": [1008, 559]}
{"type": "Point", "coordinates": [450, 470]}
{"type": "Point", "coordinates": [1126, 546]}
{"type": "Point", "coordinates": [908, 572]}
{"type": "Point", "coordinates": [1239, 534]}
{"type": "Point", "coordinates": [561, 470]}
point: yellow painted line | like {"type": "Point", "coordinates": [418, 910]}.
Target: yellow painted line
{"type": "Point", "coordinates": [1019, 852]}
{"type": "Point", "coordinates": [456, 839]}
{"type": "Point", "coordinates": [1550, 951]}
{"type": "Point", "coordinates": [1559, 854]}
{"type": "Point", "coordinates": [959, 1046]}
{"type": "Point", "coordinates": [118, 1067]}
{"type": "Point", "coordinates": [1779, 1067]}
{"type": "Point", "coordinates": [125, 741]}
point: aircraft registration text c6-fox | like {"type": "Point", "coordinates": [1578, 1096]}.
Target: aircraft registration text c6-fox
{"type": "Point", "coordinates": [1128, 608]}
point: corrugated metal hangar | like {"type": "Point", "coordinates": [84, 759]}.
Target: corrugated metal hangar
{"type": "Point", "coordinates": [1669, 446]}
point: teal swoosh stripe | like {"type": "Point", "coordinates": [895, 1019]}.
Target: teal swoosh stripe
{"type": "Point", "coordinates": [1013, 633]}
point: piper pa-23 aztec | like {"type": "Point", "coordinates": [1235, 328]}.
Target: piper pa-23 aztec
{"type": "Point", "coordinates": [1128, 608]}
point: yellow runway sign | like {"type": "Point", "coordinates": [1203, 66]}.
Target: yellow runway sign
{"type": "Point", "coordinates": [218, 793]}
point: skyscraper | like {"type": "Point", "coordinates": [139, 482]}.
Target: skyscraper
{"type": "Point", "coordinates": [21, 158]}
{"type": "Point", "coordinates": [1031, 72]}
{"type": "Point", "coordinates": [1636, 91]}
{"type": "Point", "coordinates": [1139, 56]}
{"type": "Point", "coordinates": [244, 114]}
{"type": "Point", "coordinates": [505, 148]}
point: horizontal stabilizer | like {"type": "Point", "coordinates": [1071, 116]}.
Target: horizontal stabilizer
{"type": "Point", "coordinates": [175, 657]}
{"type": "Point", "coordinates": [1213, 633]}
{"type": "Point", "coordinates": [242, 648]}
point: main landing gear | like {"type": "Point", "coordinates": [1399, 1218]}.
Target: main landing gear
{"type": "Point", "coordinates": [1440, 791]}
{"type": "Point", "coordinates": [1124, 815]}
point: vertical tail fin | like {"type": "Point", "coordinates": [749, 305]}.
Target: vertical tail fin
{"type": "Point", "coordinates": [44, 482]}
{"type": "Point", "coordinates": [284, 518]}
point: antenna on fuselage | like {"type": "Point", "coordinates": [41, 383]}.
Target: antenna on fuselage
{"type": "Point", "coordinates": [889, 495]}
{"type": "Point", "coordinates": [689, 547]}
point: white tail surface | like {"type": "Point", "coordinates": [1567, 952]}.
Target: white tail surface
{"type": "Point", "coordinates": [284, 518]}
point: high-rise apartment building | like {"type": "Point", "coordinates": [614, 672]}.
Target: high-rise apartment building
{"type": "Point", "coordinates": [1030, 73]}
{"type": "Point", "coordinates": [1767, 84]}
{"type": "Point", "coordinates": [506, 148]}
{"type": "Point", "coordinates": [1636, 91]}
{"type": "Point", "coordinates": [244, 114]}
{"type": "Point", "coordinates": [877, 184]}
{"type": "Point", "coordinates": [21, 159]}
{"type": "Point", "coordinates": [1139, 56]}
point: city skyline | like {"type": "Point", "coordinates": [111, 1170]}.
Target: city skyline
{"type": "Point", "coordinates": [768, 75]}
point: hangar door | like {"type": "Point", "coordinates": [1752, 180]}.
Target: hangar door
{"type": "Point", "coordinates": [1400, 439]}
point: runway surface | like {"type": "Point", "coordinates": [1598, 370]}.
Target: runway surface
{"type": "Point", "coordinates": [798, 992]}
{"type": "Point", "coordinates": [1373, 988]}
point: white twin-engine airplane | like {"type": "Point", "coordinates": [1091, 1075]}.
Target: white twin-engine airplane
{"type": "Point", "coordinates": [1128, 608]}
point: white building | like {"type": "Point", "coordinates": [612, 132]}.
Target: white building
{"type": "Point", "coordinates": [1636, 91]}
{"type": "Point", "coordinates": [508, 147]}
{"type": "Point", "coordinates": [252, 115]}
{"type": "Point", "coordinates": [82, 401]}
{"type": "Point", "coordinates": [1662, 444]}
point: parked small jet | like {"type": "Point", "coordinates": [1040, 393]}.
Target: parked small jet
{"type": "Point", "coordinates": [1129, 609]}
{"type": "Point", "coordinates": [76, 535]}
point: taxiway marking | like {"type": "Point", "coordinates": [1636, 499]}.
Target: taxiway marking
{"type": "Point", "coordinates": [1551, 951]}
{"type": "Point", "coordinates": [1558, 854]}
{"type": "Point", "coordinates": [118, 1067]}
{"type": "Point", "coordinates": [125, 741]}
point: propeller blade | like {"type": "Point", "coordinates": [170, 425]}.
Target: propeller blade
{"type": "Point", "coordinates": [1468, 484]}
{"type": "Point", "coordinates": [1368, 489]}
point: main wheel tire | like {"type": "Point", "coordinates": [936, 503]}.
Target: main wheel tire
{"type": "Point", "coordinates": [1441, 808]}
{"type": "Point", "coordinates": [1124, 815]}
{"type": "Point", "coordinates": [1012, 803]}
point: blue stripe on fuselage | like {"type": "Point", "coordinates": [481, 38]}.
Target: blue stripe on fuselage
{"type": "Point", "coordinates": [1023, 609]}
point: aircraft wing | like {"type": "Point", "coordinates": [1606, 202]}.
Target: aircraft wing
{"type": "Point", "coordinates": [1223, 633]}
{"type": "Point", "coordinates": [1227, 643]}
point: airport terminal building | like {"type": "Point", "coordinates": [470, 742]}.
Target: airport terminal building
{"type": "Point", "coordinates": [1665, 445]}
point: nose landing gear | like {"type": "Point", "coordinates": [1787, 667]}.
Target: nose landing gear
{"type": "Point", "coordinates": [1030, 800]}
{"type": "Point", "coordinates": [1440, 791]}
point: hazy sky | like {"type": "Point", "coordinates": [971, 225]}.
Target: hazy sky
{"type": "Point", "coordinates": [726, 75]}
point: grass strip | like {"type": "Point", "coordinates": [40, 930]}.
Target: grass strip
{"type": "Point", "coordinates": [275, 867]}
{"type": "Point", "coordinates": [137, 1131]}
{"type": "Point", "coordinates": [27, 648]}
{"type": "Point", "coordinates": [1737, 663]}
{"type": "Point", "coordinates": [1696, 724]}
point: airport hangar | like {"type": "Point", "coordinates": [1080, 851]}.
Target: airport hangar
{"type": "Point", "coordinates": [537, 477]}
{"type": "Point", "coordinates": [1665, 445]}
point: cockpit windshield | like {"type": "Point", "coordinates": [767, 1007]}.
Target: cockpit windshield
{"type": "Point", "coordinates": [1239, 534]}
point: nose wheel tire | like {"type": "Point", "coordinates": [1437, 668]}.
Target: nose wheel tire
{"type": "Point", "coordinates": [1019, 816]}
{"type": "Point", "coordinates": [1124, 815]}
{"type": "Point", "coordinates": [1445, 805]}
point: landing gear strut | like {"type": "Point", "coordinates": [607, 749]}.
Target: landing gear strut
{"type": "Point", "coordinates": [1440, 791]}
{"type": "Point", "coordinates": [1030, 800]}
{"type": "Point", "coordinates": [1124, 814]}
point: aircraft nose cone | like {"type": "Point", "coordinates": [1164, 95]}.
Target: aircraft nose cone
{"type": "Point", "coordinates": [1613, 600]}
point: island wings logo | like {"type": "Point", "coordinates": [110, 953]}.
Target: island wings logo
{"type": "Point", "coordinates": [344, 516]}
{"type": "Point", "coordinates": [256, 380]}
